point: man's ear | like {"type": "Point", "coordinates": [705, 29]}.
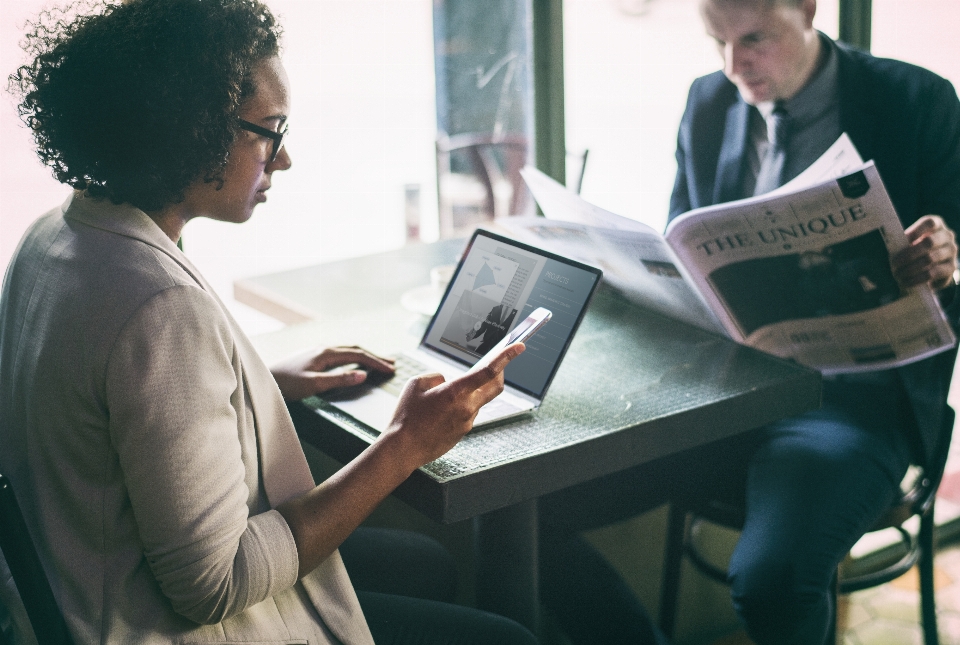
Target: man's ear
{"type": "Point", "coordinates": [809, 8]}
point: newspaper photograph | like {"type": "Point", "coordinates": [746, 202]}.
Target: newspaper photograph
{"type": "Point", "coordinates": [806, 275]}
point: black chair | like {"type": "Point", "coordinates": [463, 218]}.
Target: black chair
{"type": "Point", "coordinates": [688, 514]}
{"type": "Point", "coordinates": [21, 556]}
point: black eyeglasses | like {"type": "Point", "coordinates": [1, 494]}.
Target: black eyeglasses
{"type": "Point", "coordinates": [276, 137]}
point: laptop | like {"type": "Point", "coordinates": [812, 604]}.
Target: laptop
{"type": "Point", "coordinates": [497, 284]}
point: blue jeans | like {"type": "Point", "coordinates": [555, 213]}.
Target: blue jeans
{"type": "Point", "coordinates": [814, 485]}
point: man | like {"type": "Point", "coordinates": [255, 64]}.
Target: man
{"type": "Point", "coordinates": [493, 328]}
{"type": "Point", "coordinates": [816, 483]}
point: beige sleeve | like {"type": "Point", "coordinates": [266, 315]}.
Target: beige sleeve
{"type": "Point", "coordinates": [173, 387]}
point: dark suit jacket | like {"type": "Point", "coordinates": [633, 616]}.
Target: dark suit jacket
{"type": "Point", "coordinates": [494, 328]}
{"type": "Point", "coordinates": [905, 118]}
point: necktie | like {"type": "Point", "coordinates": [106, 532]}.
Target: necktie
{"type": "Point", "coordinates": [773, 163]}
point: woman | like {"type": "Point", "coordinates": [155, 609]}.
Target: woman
{"type": "Point", "coordinates": [150, 448]}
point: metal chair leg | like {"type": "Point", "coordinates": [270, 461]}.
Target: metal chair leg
{"type": "Point", "coordinates": [833, 637]}
{"type": "Point", "coordinates": [672, 561]}
{"type": "Point", "coordinates": [928, 608]}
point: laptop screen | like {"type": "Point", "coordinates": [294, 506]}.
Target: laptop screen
{"type": "Point", "coordinates": [498, 282]}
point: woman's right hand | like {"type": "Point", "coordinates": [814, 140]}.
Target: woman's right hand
{"type": "Point", "coordinates": [434, 414]}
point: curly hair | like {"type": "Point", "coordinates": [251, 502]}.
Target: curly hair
{"type": "Point", "coordinates": [136, 101]}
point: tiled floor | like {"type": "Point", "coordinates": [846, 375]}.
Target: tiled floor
{"type": "Point", "coordinates": [889, 615]}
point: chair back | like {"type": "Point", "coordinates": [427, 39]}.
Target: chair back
{"type": "Point", "coordinates": [492, 164]}
{"type": "Point", "coordinates": [934, 472]}
{"type": "Point", "coordinates": [919, 497]}
{"type": "Point", "coordinates": [21, 556]}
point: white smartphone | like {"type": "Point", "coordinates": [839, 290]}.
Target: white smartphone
{"type": "Point", "coordinates": [527, 328]}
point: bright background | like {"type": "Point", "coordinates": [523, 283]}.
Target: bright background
{"type": "Point", "coordinates": [363, 123]}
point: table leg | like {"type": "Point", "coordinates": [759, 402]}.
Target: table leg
{"type": "Point", "coordinates": [507, 563]}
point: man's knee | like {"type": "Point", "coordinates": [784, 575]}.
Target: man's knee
{"type": "Point", "coordinates": [774, 603]}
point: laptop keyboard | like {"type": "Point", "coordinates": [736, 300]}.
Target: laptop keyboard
{"type": "Point", "coordinates": [406, 368]}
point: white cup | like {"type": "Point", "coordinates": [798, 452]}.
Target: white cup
{"type": "Point", "coordinates": [440, 276]}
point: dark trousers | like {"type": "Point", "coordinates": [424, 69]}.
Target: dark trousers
{"type": "Point", "coordinates": [406, 583]}
{"type": "Point", "coordinates": [812, 485]}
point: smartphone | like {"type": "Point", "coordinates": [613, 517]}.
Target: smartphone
{"type": "Point", "coordinates": [527, 328]}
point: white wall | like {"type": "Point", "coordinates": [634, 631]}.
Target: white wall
{"type": "Point", "coordinates": [923, 32]}
{"type": "Point", "coordinates": [27, 188]}
{"type": "Point", "coordinates": [363, 125]}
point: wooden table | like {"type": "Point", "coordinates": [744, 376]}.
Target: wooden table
{"type": "Point", "coordinates": [634, 387]}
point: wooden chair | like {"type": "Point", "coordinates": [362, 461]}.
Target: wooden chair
{"type": "Point", "coordinates": [492, 163]}
{"type": "Point", "coordinates": [21, 556]}
{"type": "Point", "coordinates": [688, 515]}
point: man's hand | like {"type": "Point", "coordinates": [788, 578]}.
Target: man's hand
{"type": "Point", "coordinates": [310, 373]}
{"type": "Point", "coordinates": [433, 414]}
{"type": "Point", "coordinates": [931, 257]}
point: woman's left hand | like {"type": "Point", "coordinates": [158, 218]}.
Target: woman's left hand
{"type": "Point", "coordinates": [931, 257]}
{"type": "Point", "coordinates": [314, 372]}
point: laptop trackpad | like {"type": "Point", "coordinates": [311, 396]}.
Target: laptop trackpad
{"type": "Point", "coordinates": [375, 407]}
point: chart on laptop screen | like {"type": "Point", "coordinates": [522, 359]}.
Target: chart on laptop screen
{"type": "Point", "coordinates": [497, 286]}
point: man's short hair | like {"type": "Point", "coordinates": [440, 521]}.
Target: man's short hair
{"type": "Point", "coordinates": [770, 3]}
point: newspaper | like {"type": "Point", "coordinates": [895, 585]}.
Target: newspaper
{"type": "Point", "coordinates": [802, 272]}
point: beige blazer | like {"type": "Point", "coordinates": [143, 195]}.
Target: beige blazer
{"type": "Point", "coordinates": [147, 443]}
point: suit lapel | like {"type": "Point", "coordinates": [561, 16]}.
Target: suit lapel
{"type": "Point", "coordinates": [727, 186]}
{"type": "Point", "coordinates": [856, 117]}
